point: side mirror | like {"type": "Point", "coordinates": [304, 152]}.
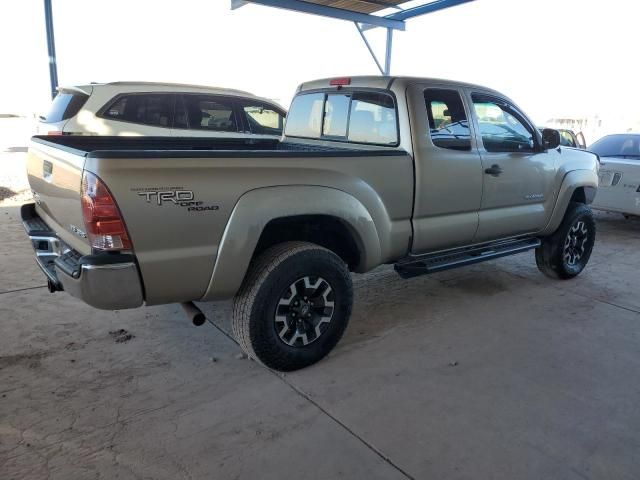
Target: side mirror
{"type": "Point", "coordinates": [550, 138]}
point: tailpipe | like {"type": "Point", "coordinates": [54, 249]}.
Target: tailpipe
{"type": "Point", "coordinates": [193, 313]}
{"type": "Point", "coordinates": [53, 287]}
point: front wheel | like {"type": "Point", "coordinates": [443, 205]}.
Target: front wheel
{"type": "Point", "coordinates": [566, 253]}
{"type": "Point", "coordinates": [293, 306]}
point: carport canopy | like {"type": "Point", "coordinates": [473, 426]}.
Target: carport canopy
{"type": "Point", "coordinates": [365, 14]}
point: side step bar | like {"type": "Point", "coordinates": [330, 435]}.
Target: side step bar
{"type": "Point", "coordinates": [437, 262]}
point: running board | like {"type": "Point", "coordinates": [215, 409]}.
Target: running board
{"type": "Point", "coordinates": [437, 262]}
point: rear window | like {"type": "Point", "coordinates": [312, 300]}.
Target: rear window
{"type": "Point", "coordinates": [65, 106]}
{"type": "Point", "coordinates": [305, 116]}
{"type": "Point", "coordinates": [359, 117]}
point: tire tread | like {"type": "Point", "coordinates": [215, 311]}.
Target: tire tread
{"type": "Point", "coordinates": [244, 303]}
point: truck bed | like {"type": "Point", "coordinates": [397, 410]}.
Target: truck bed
{"type": "Point", "coordinates": [195, 147]}
{"type": "Point", "coordinates": [176, 247]}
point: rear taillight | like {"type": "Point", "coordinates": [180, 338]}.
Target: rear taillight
{"type": "Point", "coordinates": [102, 219]}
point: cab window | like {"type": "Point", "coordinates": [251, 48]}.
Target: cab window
{"type": "Point", "coordinates": [358, 117]}
{"type": "Point", "coordinates": [305, 116]}
{"type": "Point", "coordinates": [448, 124]}
{"type": "Point", "coordinates": [336, 115]}
{"type": "Point", "coordinates": [372, 119]}
{"type": "Point", "coordinates": [501, 128]}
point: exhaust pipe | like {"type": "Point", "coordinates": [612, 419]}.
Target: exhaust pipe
{"type": "Point", "coordinates": [193, 313]}
{"type": "Point", "coordinates": [52, 287]}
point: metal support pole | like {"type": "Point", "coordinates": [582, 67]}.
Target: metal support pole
{"type": "Point", "coordinates": [366, 42]}
{"type": "Point", "coordinates": [387, 60]}
{"type": "Point", "coordinates": [51, 47]}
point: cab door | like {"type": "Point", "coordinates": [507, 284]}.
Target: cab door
{"type": "Point", "coordinates": [518, 175]}
{"type": "Point", "coordinates": [448, 170]}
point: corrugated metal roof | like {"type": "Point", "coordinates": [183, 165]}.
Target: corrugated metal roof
{"type": "Point", "coordinates": [360, 6]}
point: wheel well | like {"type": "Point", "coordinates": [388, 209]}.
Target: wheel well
{"type": "Point", "coordinates": [324, 230]}
{"type": "Point", "coordinates": [579, 195]}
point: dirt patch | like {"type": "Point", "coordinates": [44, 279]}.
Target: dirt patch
{"type": "Point", "coordinates": [30, 360]}
{"type": "Point", "coordinates": [73, 346]}
{"type": "Point", "coordinates": [6, 193]}
{"type": "Point", "coordinates": [12, 197]}
{"type": "Point", "coordinates": [14, 186]}
{"type": "Point", "coordinates": [121, 335]}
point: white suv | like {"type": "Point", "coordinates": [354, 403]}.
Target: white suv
{"type": "Point", "coordinates": [161, 109]}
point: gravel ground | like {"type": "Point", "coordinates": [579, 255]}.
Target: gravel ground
{"type": "Point", "coordinates": [491, 371]}
{"type": "Point", "coordinates": [14, 137]}
{"type": "Point", "coordinates": [14, 188]}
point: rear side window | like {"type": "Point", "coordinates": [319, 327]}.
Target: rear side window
{"type": "Point", "coordinates": [209, 112]}
{"type": "Point", "coordinates": [148, 109]}
{"type": "Point", "coordinates": [262, 119]}
{"type": "Point", "coordinates": [65, 106]}
{"type": "Point", "coordinates": [359, 117]}
{"type": "Point", "coordinates": [448, 124]}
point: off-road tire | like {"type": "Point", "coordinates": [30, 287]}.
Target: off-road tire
{"type": "Point", "coordinates": [551, 255]}
{"type": "Point", "coordinates": [270, 275]}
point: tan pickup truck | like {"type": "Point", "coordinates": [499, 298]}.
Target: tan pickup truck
{"type": "Point", "coordinates": [419, 173]}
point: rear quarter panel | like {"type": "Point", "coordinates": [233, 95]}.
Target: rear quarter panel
{"type": "Point", "coordinates": [176, 248]}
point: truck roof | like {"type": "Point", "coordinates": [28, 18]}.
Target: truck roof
{"type": "Point", "coordinates": [385, 82]}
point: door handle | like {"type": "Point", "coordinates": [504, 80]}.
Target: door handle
{"type": "Point", "coordinates": [494, 171]}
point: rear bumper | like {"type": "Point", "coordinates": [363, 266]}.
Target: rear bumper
{"type": "Point", "coordinates": [109, 281]}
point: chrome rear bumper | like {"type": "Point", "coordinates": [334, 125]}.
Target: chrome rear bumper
{"type": "Point", "coordinates": [109, 281]}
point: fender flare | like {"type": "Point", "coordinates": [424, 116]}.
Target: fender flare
{"type": "Point", "coordinates": [256, 208]}
{"type": "Point", "coordinates": [570, 183]}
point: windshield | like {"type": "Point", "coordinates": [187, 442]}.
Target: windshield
{"type": "Point", "coordinates": [626, 146]}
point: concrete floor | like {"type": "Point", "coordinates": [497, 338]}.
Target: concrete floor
{"type": "Point", "coordinates": [488, 372]}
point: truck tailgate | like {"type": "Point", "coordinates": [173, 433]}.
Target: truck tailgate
{"type": "Point", "coordinates": [55, 177]}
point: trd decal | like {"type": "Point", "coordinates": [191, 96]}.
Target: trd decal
{"type": "Point", "coordinates": [175, 196]}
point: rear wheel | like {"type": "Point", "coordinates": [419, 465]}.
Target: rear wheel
{"type": "Point", "coordinates": [566, 253]}
{"type": "Point", "coordinates": [293, 306]}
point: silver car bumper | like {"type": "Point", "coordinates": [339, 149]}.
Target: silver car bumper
{"type": "Point", "coordinates": [106, 281]}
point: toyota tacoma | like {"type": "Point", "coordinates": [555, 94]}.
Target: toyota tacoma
{"type": "Point", "coordinates": [423, 174]}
